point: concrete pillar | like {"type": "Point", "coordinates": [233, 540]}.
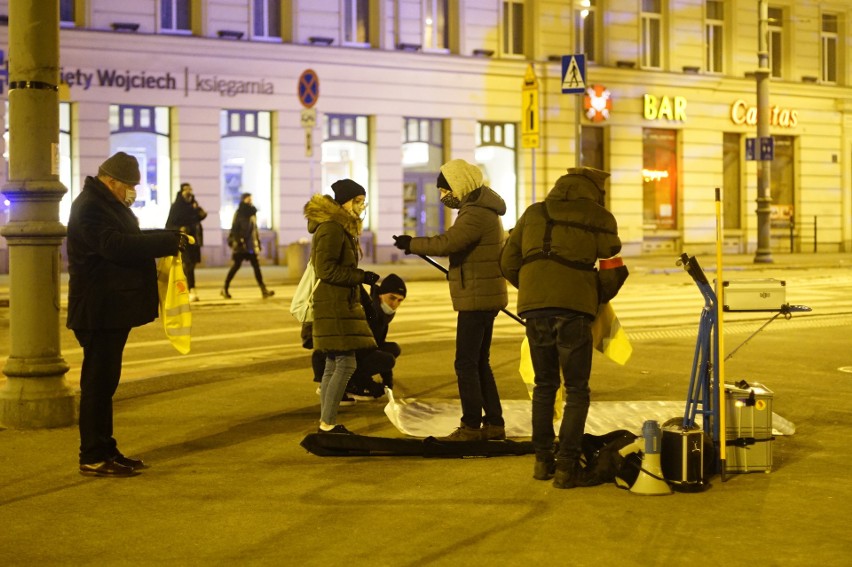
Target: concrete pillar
{"type": "Point", "coordinates": [35, 394]}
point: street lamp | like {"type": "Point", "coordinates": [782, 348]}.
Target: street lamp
{"type": "Point", "coordinates": [580, 19]}
{"type": "Point", "coordinates": [763, 254]}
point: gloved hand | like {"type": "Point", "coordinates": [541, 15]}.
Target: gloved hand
{"type": "Point", "coordinates": [183, 241]}
{"type": "Point", "coordinates": [370, 278]}
{"type": "Point", "coordinates": [403, 242]}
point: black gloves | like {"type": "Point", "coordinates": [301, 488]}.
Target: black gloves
{"type": "Point", "coordinates": [370, 278]}
{"type": "Point", "coordinates": [183, 241]}
{"type": "Point", "coordinates": [403, 242]}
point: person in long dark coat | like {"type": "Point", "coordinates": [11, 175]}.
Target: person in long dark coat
{"type": "Point", "coordinates": [186, 215]}
{"type": "Point", "coordinates": [244, 241]}
{"type": "Point", "coordinates": [112, 288]}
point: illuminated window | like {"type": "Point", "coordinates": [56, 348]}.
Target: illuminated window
{"type": "Point", "coordinates": [782, 182]}
{"type": "Point", "coordinates": [356, 22]}
{"type": "Point", "coordinates": [422, 157]}
{"type": "Point", "coordinates": [652, 39]}
{"type": "Point", "coordinates": [143, 132]}
{"type": "Point", "coordinates": [266, 18]}
{"type": "Point", "coordinates": [829, 48]}
{"type": "Point", "coordinates": [66, 13]}
{"type": "Point", "coordinates": [776, 36]}
{"type": "Point", "coordinates": [435, 24]}
{"type": "Point", "coordinates": [732, 181]}
{"type": "Point", "coordinates": [346, 153]}
{"type": "Point", "coordinates": [589, 15]}
{"type": "Point", "coordinates": [245, 144]}
{"type": "Point", "coordinates": [513, 27]}
{"type": "Point", "coordinates": [714, 35]}
{"type": "Point", "coordinates": [659, 178]}
{"type": "Point", "coordinates": [175, 16]}
{"type": "Point", "coordinates": [496, 151]}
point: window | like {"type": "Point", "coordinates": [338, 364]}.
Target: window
{"type": "Point", "coordinates": [732, 181]}
{"type": "Point", "coordinates": [245, 144]}
{"type": "Point", "coordinates": [714, 35]}
{"type": "Point", "coordinates": [356, 22]}
{"type": "Point", "coordinates": [175, 16]}
{"type": "Point", "coordinates": [346, 153]}
{"type": "Point", "coordinates": [652, 39]}
{"type": "Point", "coordinates": [829, 48]}
{"type": "Point", "coordinates": [143, 132]}
{"type": "Point", "coordinates": [588, 15]}
{"type": "Point", "coordinates": [66, 13]}
{"type": "Point", "coordinates": [776, 29]}
{"type": "Point", "coordinates": [659, 177]}
{"type": "Point", "coordinates": [435, 24]}
{"type": "Point", "coordinates": [422, 156]}
{"type": "Point", "coordinates": [781, 182]}
{"type": "Point", "coordinates": [513, 27]}
{"type": "Point", "coordinates": [266, 21]}
{"type": "Point", "coordinates": [496, 151]}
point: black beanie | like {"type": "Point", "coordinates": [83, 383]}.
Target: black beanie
{"type": "Point", "coordinates": [442, 182]}
{"type": "Point", "coordinates": [346, 190]}
{"type": "Point", "coordinates": [392, 284]}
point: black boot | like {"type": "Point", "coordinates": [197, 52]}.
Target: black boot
{"type": "Point", "coordinates": [545, 465]}
{"type": "Point", "coordinates": [266, 292]}
{"type": "Point", "coordinates": [568, 474]}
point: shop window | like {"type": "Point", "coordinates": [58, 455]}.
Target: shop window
{"type": "Point", "coordinates": [266, 19]}
{"type": "Point", "coordinates": [246, 152]}
{"type": "Point", "coordinates": [144, 132]}
{"type": "Point", "coordinates": [435, 24]}
{"type": "Point", "coordinates": [781, 182]}
{"type": "Point", "coordinates": [776, 42]}
{"type": "Point", "coordinates": [513, 27]}
{"type": "Point", "coordinates": [422, 157]}
{"type": "Point", "coordinates": [592, 151]}
{"type": "Point", "coordinates": [346, 153]}
{"type": "Point", "coordinates": [496, 155]}
{"type": "Point", "coordinates": [356, 22]}
{"type": "Point", "coordinates": [652, 34]}
{"type": "Point", "coordinates": [175, 16]}
{"type": "Point", "coordinates": [659, 178]}
{"type": "Point", "coordinates": [714, 36]}
{"type": "Point", "coordinates": [732, 181]}
{"type": "Point", "coordinates": [828, 52]}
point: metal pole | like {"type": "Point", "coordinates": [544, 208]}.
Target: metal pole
{"type": "Point", "coordinates": [764, 253]}
{"type": "Point", "coordinates": [578, 15]}
{"type": "Point", "coordinates": [35, 394]}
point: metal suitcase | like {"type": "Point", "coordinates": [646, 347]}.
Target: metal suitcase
{"type": "Point", "coordinates": [754, 295]}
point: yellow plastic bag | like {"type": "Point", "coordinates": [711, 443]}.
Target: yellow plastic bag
{"type": "Point", "coordinates": [174, 302]}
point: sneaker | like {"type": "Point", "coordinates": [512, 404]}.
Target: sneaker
{"type": "Point", "coordinates": [107, 469]}
{"type": "Point", "coordinates": [267, 293]}
{"type": "Point", "coordinates": [135, 464]}
{"type": "Point", "coordinates": [192, 295]}
{"type": "Point", "coordinates": [224, 293]}
{"type": "Point", "coordinates": [493, 432]}
{"type": "Point", "coordinates": [336, 430]}
{"type": "Point", "coordinates": [463, 433]}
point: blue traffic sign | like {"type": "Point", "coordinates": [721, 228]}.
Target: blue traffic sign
{"type": "Point", "coordinates": [767, 148]}
{"type": "Point", "coordinates": [573, 74]}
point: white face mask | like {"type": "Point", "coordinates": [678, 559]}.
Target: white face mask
{"type": "Point", "coordinates": [129, 196]}
{"type": "Point", "coordinates": [387, 309]}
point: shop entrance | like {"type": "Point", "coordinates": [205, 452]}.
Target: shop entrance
{"type": "Point", "coordinates": [422, 207]}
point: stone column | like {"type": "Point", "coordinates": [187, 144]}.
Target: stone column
{"type": "Point", "coordinates": [35, 394]}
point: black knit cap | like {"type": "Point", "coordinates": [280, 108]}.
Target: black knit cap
{"type": "Point", "coordinates": [392, 284]}
{"type": "Point", "coordinates": [346, 190]}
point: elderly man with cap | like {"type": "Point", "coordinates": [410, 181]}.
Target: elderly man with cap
{"type": "Point", "coordinates": [340, 326]}
{"type": "Point", "coordinates": [112, 288]}
{"type": "Point", "coordinates": [550, 257]}
{"type": "Point", "coordinates": [380, 307]}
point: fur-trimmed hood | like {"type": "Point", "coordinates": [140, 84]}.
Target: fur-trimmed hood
{"type": "Point", "coordinates": [323, 208]}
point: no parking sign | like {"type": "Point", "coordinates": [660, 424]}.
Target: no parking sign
{"type": "Point", "coordinates": [308, 89]}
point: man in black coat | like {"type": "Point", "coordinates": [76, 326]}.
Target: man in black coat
{"type": "Point", "coordinates": [112, 288]}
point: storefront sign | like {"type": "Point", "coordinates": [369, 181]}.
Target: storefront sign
{"type": "Point", "coordinates": [668, 108]}
{"type": "Point", "coordinates": [742, 114]}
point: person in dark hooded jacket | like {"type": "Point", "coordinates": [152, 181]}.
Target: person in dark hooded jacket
{"type": "Point", "coordinates": [477, 288]}
{"type": "Point", "coordinates": [550, 257]}
{"type": "Point", "coordinates": [245, 245]}
{"type": "Point", "coordinates": [340, 326]}
{"type": "Point", "coordinates": [186, 215]}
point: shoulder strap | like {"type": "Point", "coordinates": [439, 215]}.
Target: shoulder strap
{"type": "Point", "coordinates": [548, 254]}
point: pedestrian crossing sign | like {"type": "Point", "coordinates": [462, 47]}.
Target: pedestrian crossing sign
{"type": "Point", "coordinates": [573, 74]}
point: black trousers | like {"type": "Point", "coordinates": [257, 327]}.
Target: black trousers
{"type": "Point", "coordinates": [101, 371]}
{"type": "Point", "coordinates": [237, 261]}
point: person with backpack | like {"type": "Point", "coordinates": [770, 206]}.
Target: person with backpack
{"type": "Point", "coordinates": [550, 258]}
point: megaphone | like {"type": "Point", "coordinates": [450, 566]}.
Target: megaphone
{"type": "Point", "coordinates": [650, 481]}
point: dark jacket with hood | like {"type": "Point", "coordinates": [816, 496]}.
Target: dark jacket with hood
{"type": "Point", "coordinates": [243, 238]}
{"type": "Point", "coordinates": [186, 216]}
{"type": "Point", "coordinates": [112, 274]}
{"type": "Point", "coordinates": [584, 231]}
{"type": "Point", "coordinates": [339, 320]}
{"type": "Point", "coordinates": [473, 242]}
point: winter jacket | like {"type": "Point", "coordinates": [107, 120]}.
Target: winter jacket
{"type": "Point", "coordinates": [112, 273]}
{"type": "Point", "coordinates": [473, 243]}
{"type": "Point", "coordinates": [243, 238]}
{"type": "Point", "coordinates": [591, 233]}
{"type": "Point", "coordinates": [186, 216]}
{"type": "Point", "coordinates": [339, 320]}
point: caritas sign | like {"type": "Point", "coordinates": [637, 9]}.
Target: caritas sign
{"type": "Point", "coordinates": [741, 114]}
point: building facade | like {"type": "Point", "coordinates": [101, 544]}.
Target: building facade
{"type": "Point", "coordinates": [280, 98]}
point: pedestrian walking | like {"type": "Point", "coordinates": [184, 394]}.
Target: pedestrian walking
{"type": "Point", "coordinates": [477, 288]}
{"type": "Point", "coordinates": [112, 288]}
{"type": "Point", "coordinates": [186, 215]}
{"type": "Point", "coordinates": [550, 257]}
{"type": "Point", "coordinates": [245, 245]}
{"type": "Point", "coordinates": [340, 326]}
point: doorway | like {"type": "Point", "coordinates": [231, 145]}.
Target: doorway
{"type": "Point", "coordinates": [422, 208]}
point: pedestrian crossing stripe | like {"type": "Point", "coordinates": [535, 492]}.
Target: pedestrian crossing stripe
{"type": "Point", "coordinates": [573, 79]}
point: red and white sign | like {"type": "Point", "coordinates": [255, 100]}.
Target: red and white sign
{"type": "Point", "coordinates": [597, 103]}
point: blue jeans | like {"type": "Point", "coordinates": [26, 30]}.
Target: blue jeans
{"type": "Point", "coordinates": [561, 342]}
{"type": "Point", "coordinates": [477, 388]}
{"type": "Point", "coordinates": [338, 369]}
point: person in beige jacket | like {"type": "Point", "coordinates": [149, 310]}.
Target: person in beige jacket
{"type": "Point", "coordinates": [478, 290]}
